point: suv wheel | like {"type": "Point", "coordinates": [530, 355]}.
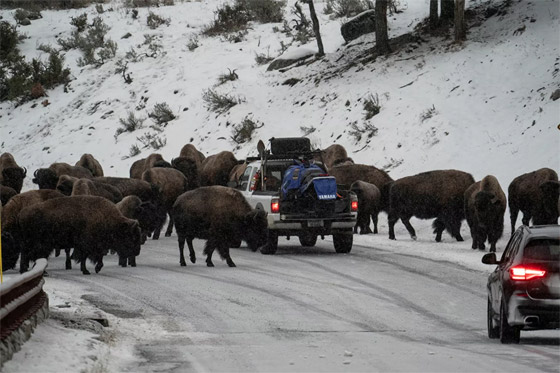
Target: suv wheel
{"type": "Point", "coordinates": [343, 243]}
{"type": "Point", "coordinates": [493, 331]}
{"type": "Point", "coordinates": [508, 334]}
{"type": "Point", "coordinates": [308, 239]}
{"type": "Point", "coordinates": [271, 244]}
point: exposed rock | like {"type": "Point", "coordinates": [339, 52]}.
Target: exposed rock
{"type": "Point", "coordinates": [363, 23]}
{"type": "Point", "coordinates": [555, 95]}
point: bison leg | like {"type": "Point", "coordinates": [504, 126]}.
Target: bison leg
{"type": "Point", "coordinates": [392, 220]}
{"type": "Point", "coordinates": [409, 227]}
{"type": "Point", "coordinates": [132, 261]}
{"type": "Point", "coordinates": [224, 253]}
{"type": "Point", "coordinates": [99, 264]}
{"type": "Point", "coordinates": [181, 240]}
{"type": "Point", "coordinates": [122, 261]}
{"type": "Point", "coordinates": [374, 218]}
{"type": "Point", "coordinates": [513, 212]}
{"type": "Point", "coordinates": [169, 227]}
{"type": "Point", "coordinates": [191, 249]}
{"type": "Point", "coordinates": [439, 227]}
{"type": "Point", "coordinates": [68, 259]}
{"type": "Point", "coordinates": [83, 267]}
{"type": "Point", "coordinates": [526, 218]}
{"type": "Point", "coordinates": [209, 250]}
{"type": "Point", "coordinates": [24, 262]}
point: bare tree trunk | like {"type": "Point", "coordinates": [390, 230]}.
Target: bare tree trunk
{"type": "Point", "coordinates": [381, 33]}
{"type": "Point", "coordinates": [460, 24]}
{"type": "Point", "coordinates": [434, 19]}
{"type": "Point", "coordinates": [447, 11]}
{"type": "Point", "coordinates": [316, 29]}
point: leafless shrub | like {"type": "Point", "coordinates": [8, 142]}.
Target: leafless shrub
{"type": "Point", "coordinates": [219, 103]}
{"type": "Point", "coordinates": [243, 132]}
{"type": "Point", "coordinates": [193, 43]}
{"type": "Point", "coordinates": [307, 130]}
{"type": "Point", "coordinates": [162, 113]}
{"type": "Point", "coordinates": [154, 21]}
{"type": "Point", "coordinates": [371, 106]}
{"type": "Point", "coordinates": [152, 140]}
{"type": "Point", "coordinates": [356, 131]}
{"type": "Point", "coordinates": [428, 113]}
{"type": "Point", "coordinates": [227, 77]}
{"type": "Point", "coordinates": [129, 124]}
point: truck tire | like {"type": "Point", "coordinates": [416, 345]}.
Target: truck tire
{"type": "Point", "coordinates": [343, 243]}
{"type": "Point", "coordinates": [271, 244]}
{"type": "Point", "coordinates": [308, 239]}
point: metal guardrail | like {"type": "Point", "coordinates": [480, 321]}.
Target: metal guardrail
{"type": "Point", "coordinates": [21, 298]}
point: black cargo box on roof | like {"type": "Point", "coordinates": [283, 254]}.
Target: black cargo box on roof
{"type": "Point", "coordinates": [290, 145]}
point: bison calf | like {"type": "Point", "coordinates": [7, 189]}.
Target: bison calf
{"type": "Point", "coordinates": [369, 204]}
{"type": "Point", "coordinates": [485, 205]}
{"type": "Point", "coordinates": [219, 215]}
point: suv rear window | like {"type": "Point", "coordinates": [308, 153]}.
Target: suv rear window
{"type": "Point", "coordinates": [543, 249]}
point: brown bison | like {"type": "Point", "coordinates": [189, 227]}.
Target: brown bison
{"type": "Point", "coordinates": [11, 237]}
{"type": "Point", "coordinates": [88, 187]}
{"type": "Point", "coordinates": [535, 194]}
{"type": "Point", "coordinates": [47, 178]}
{"type": "Point", "coordinates": [172, 184]}
{"type": "Point", "coordinates": [133, 207]}
{"type": "Point", "coordinates": [219, 215]}
{"type": "Point", "coordinates": [369, 202]}
{"type": "Point", "coordinates": [485, 205]}
{"type": "Point", "coordinates": [348, 174]}
{"type": "Point", "coordinates": [11, 175]}
{"type": "Point", "coordinates": [189, 163]}
{"type": "Point", "coordinates": [65, 184]}
{"type": "Point", "coordinates": [141, 165]}
{"type": "Point", "coordinates": [333, 155]}
{"type": "Point", "coordinates": [89, 162]}
{"type": "Point", "coordinates": [6, 193]}
{"type": "Point", "coordinates": [132, 187]}
{"type": "Point", "coordinates": [91, 225]}
{"type": "Point", "coordinates": [216, 169]}
{"type": "Point", "coordinates": [434, 194]}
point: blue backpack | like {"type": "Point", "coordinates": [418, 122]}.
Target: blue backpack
{"type": "Point", "coordinates": [299, 177]}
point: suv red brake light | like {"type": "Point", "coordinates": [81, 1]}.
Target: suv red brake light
{"type": "Point", "coordinates": [521, 273]}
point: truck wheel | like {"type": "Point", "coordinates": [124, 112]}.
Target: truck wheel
{"type": "Point", "coordinates": [343, 243]}
{"type": "Point", "coordinates": [308, 239]}
{"type": "Point", "coordinates": [508, 334]}
{"type": "Point", "coordinates": [271, 244]}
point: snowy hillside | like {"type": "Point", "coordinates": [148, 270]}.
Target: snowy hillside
{"type": "Point", "coordinates": [483, 107]}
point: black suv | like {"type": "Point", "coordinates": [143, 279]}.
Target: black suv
{"type": "Point", "coordinates": [524, 290]}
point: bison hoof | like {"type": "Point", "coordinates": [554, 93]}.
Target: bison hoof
{"type": "Point", "coordinates": [68, 266]}
{"type": "Point", "coordinates": [86, 272]}
{"type": "Point", "coordinates": [231, 263]}
{"type": "Point", "coordinates": [414, 238]}
{"type": "Point", "coordinates": [193, 259]}
{"type": "Point", "coordinates": [98, 268]}
{"type": "Point", "coordinates": [392, 238]}
{"type": "Point", "coordinates": [183, 264]}
{"type": "Point", "coordinates": [209, 264]}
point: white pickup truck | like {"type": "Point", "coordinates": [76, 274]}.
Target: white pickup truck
{"type": "Point", "coordinates": [305, 212]}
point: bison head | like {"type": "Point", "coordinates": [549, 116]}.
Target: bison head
{"type": "Point", "coordinates": [13, 177]}
{"type": "Point", "coordinates": [487, 206]}
{"type": "Point", "coordinates": [256, 229]}
{"type": "Point", "coordinates": [45, 178]}
{"type": "Point", "coordinates": [130, 239]}
{"type": "Point", "coordinates": [147, 216]}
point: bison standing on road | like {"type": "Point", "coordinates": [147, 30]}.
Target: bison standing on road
{"type": "Point", "coordinates": [189, 163]}
{"type": "Point", "coordinates": [221, 216]}
{"type": "Point", "coordinates": [434, 194]}
{"type": "Point", "coordinates": [369, 202]}
{"type": "Point", "coordinates": [348, 174]}
{"type": "Point", "coordinates": [89, 162]}
{"type": "Point", "coordinates": [172, 184]}
{"type": "Point", "coordinates": [89, 224]}
{"type": "Point", "coordinates": [535, 194]}
{"type": "Point", "coordinates": [216, 169]}
{"type": "Point", "coordinates": [11, 175]}
{"type": "Point", "coordinates": [87, 187]}
{"type": "Point", "coordinates": [11, 236]}
{"type": "Point", "coordinates": [485, 205]}
{"type": "Point", "coordinates": [132, 207]}
{"type": "Point", "coordinates": [132, 187]}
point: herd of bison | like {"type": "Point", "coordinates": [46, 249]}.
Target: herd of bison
{"type": "Point", "coordinates": [78, 210]}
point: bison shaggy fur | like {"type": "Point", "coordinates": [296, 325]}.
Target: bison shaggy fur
{"type": "Point", "coordinates": [11, 175]}
{"type": "Point", "coordinates": [348, 174]}
{"type": "Point", "coordinates": [89, 162]}
{"type": "Point", "coordinates": [216, 169]}
{"type": "Point", "coordinates": [91, 225]}
{"type": "Point", "coordinates": [6, 193]}
{"type": "Point", "coordinates": [485, 205]}
{"type": "Point", "coordinates": [132, 187]}
{"type": "Point", "coordinates": [221, 216]}
{"type": "Point", "coordinates": [87, 187]}
{"type": "Point", "coordinates": [141, 165]}
{"type": "Point", "coordinates": [172, 184]}
{"type": "Point", "coordinates": [536, 195]}
{"type": "Point", "coordinates": [132, 207]}
{"type": "Point", "coordinates": [369, 202]}
{"type": "Point", "coordinates": [434, 194]}
{"type": "Point", "coordinates": [47, 178]}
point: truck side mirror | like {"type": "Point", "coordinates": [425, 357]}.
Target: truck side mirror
{"type": "Point", "coordinates": [490, 258]}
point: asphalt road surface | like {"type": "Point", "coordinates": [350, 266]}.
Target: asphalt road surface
{"type": "Point", "coordinates": [303, 309]}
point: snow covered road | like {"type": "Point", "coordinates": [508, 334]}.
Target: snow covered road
{"type": "Point", "coordinates": [304, 309]}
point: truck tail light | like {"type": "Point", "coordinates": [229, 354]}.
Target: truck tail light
{"type": "Point", "coordinates": [354, 206]}
{"type": "Point", "coordinates": [521, 273]}
{"type": "Point", "coordinates": [275, 206]}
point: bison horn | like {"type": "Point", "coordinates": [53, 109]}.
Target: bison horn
{"type": "Point", "coordinates": [24, 171]}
